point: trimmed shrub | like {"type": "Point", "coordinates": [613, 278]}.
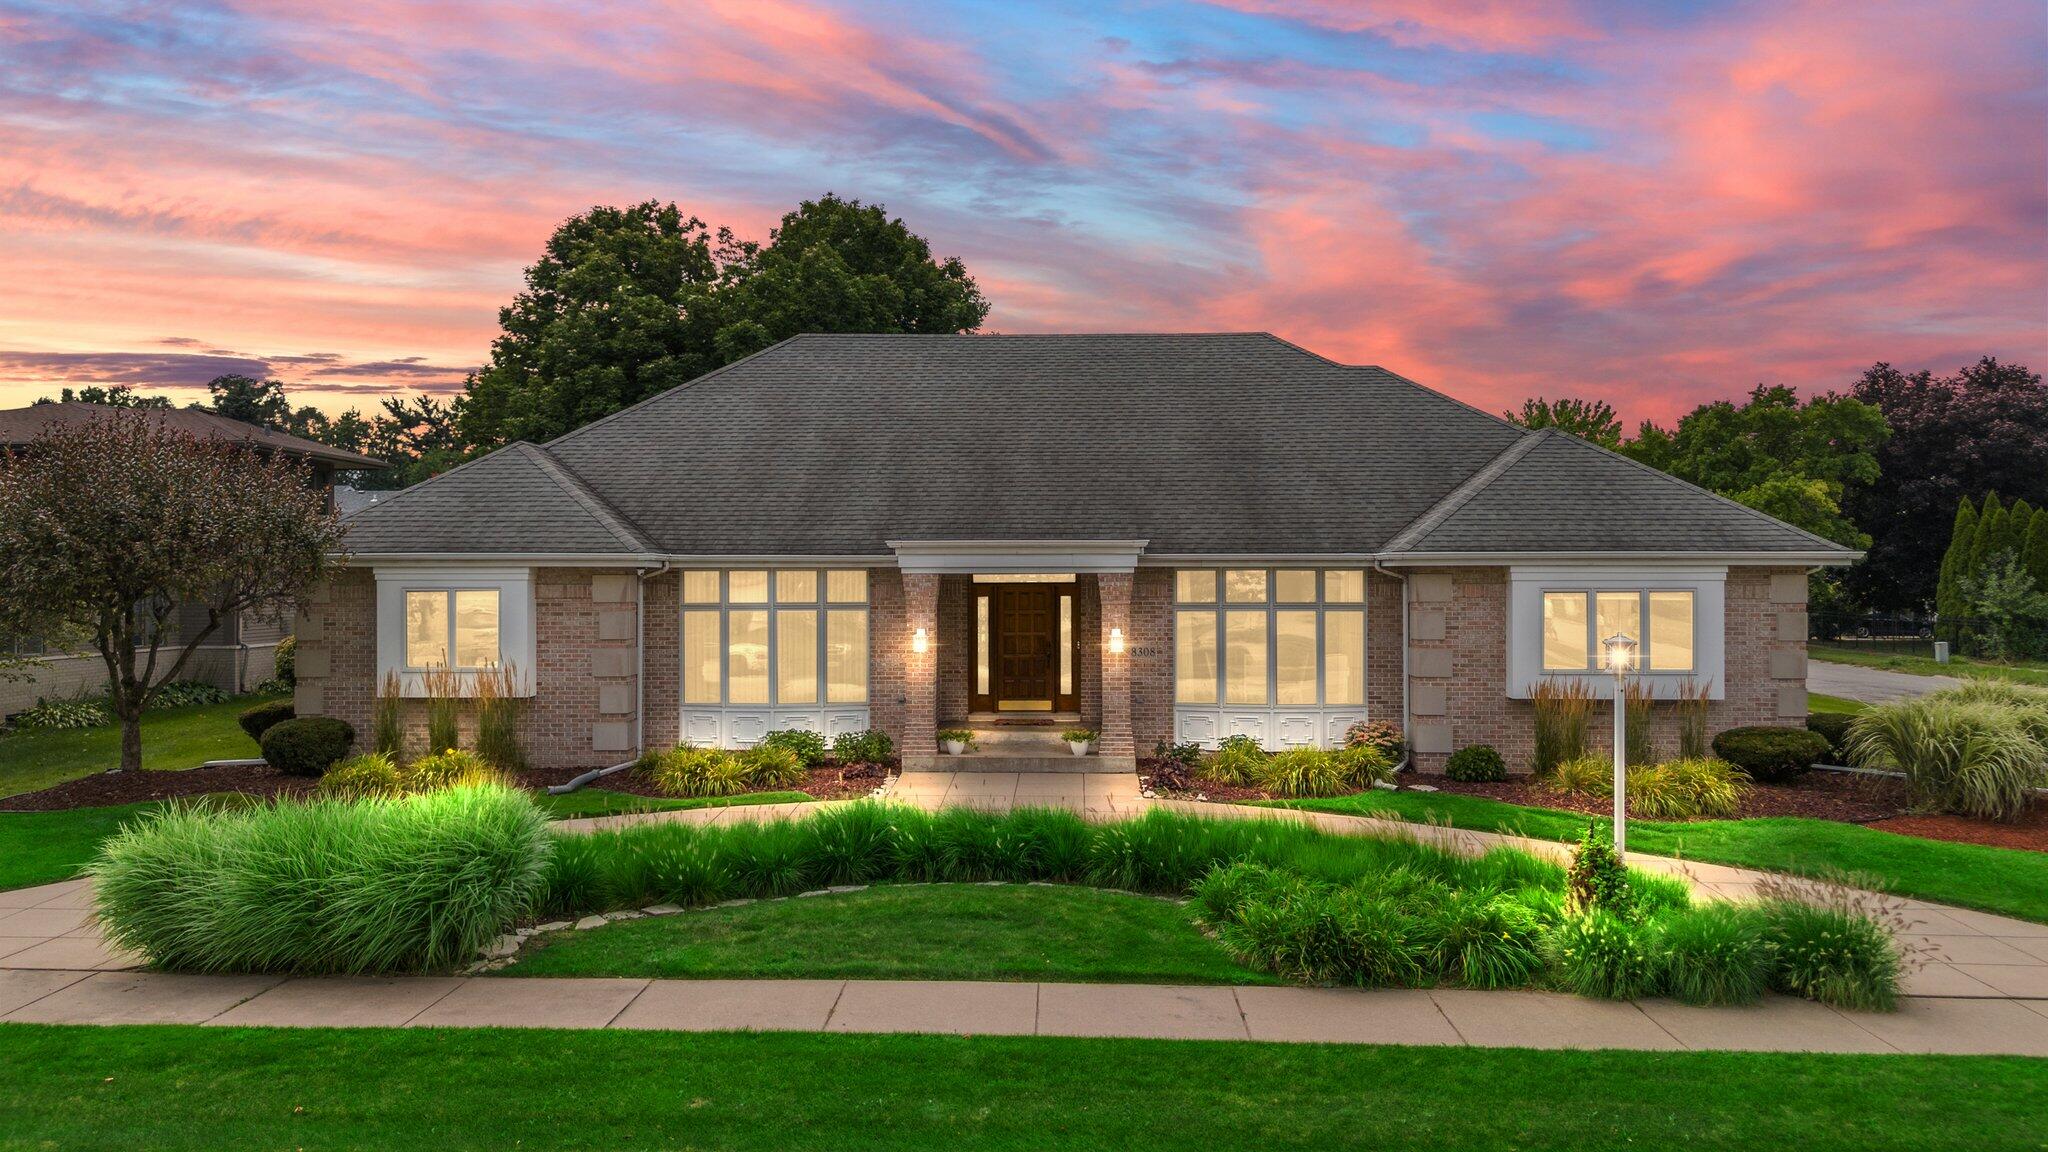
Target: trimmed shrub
{"type": "Point", "coordinates": [1714, 954]}
{"type": "Point", "coordinates": [307, 745]}
{"type": "Point", "coordinates": [1831, 955]}
{"type": "Point", "coordinates": [1771, 754]}
{"type": "Point", "coordinates": [1476, 764]}
{"type": "Point", "coordinates": [260, 719]}
{"type": "Point", "coordinates": [368, 774]}
{"type": "Point", "coordinates": [1832, 727]}
{"type": "Point", "coordinates": [809, 747]}
{"type": "Point", "coordinates": [872, 746]}
{"type": "Point", "coordinates": [1379, 735]}
{"type": "Point", "coordinates": [285, 662]}
{"type": "Point", "coordinates": [411, 884]}
{"type": "Point", "coordinates": [1238, 760]}
{"type": "Point", "coordinates": [1603, 956]}
{"type": "Point", "coordinates": [1967, 754]}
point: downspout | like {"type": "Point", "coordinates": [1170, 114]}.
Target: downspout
{"type": "Point", "coordinates": [1404, 657]}
{"type": "Point", "coordinates": [639, 686]}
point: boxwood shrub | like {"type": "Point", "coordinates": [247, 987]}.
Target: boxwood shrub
{"type": "Point", "coordinates": [307, 745]}
{"type": "Point", "coordinates": [263, 717]}
{"type": "Point", "coordinates": [1476, 764]}
{"type": "Point", "coordinates": [1773, 755]}
{"type": "Point", "coordinates": [1831, 726]}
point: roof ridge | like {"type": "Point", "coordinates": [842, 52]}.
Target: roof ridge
{"type": "Point", "coordinates": [1419, 528]}
{"type": "Point", "coordinates": [398, 494]}
{"type": "Point", "coordinates": [566, 478]}
{"type": "Point", "coordinates": [692, 382]}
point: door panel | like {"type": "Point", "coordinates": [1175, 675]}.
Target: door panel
{"type": "Point", "coordinates": [1025, 642]}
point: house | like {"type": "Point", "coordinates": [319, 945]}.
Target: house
{"type": "Point", "coordinates": [1165, 537]}
{"type": "Point", "coordinates": [240, 654]}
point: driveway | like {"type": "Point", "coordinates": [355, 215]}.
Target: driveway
{"type": "Point", "coordinates": [1870, 685]}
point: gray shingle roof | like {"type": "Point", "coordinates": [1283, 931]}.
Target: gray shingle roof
{"type": "Point", "coordinates": [18, 426]}
{"type": "Point", "coordinates": [518, 499]}
{"type": "Point", "coordinates": [832, 445]}
{"type": "Point", "coordinates": [1554, 492]}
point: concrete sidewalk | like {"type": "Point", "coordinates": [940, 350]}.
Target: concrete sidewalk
{"type": "Point", "coordinates": [1455, 1017]}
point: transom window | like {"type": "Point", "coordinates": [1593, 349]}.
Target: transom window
{"type": "Point", "coordinates": [452, 628]}
{"type": "Point", "coordinates": [1577, 622]}
{"type": "Point", "coordinates": [1277, 637]}
{"type": "Point", "coordinates": [781, 636]}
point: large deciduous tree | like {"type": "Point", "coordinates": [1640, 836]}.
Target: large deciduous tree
{"type": "Point", "coordinates": [114, 526]}
{"type": "Point", "coordinates": [1794, 460]}
{"type": "Point", "coordinates": [1592, 420]}
{"type": "Point", "coordinates": [1953, 437]}
{"type": "Point", "coordinates": [629, 302]}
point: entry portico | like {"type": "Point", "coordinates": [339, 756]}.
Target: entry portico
{"type": "Point", "coordinates": [1022, 634]}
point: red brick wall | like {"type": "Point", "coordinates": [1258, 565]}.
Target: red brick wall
{"type": "Point", "coordinates": [888, 647]}
{"type": "Point", "coordinates": [1383, 647]}
{"type": "Point", "coordinates": [1764, 655]}
{"type": "Point", "coordinates": [1149, 645]}
{"type": "Point", "coordinates": [661, 595]}
{"type": "Point", "coordinates": [955, 643]}
{"type": "Point", "coordinates": [338, 624]}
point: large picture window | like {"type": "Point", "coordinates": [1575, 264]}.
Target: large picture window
{"type": "Point", "coordinates": [793, 636]}
{"type": "Point", "coordinates": [1576, 623]}
{"type": "Point", "coordinates": [452, 628]}
{"type": "Point", "coordinates": [1273, 638]}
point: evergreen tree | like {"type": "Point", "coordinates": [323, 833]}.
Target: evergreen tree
{"type": "Point", "coordinates": [2037, 548]}
{"type": "Point", "coordinates": [2019, 520]}
{"type": "Point", "coordinates": [1948, 598]}
{"type": "Point", "coordinates": [1984, 542]}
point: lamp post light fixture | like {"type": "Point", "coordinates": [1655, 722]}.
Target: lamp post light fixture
{"type": "Point", "coordinates": [1620, 654]}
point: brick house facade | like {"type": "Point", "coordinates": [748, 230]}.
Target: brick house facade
{"type": "Point", "coordinates": [1288, 547]}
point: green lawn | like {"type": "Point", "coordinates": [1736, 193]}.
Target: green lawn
{"type": "Point", "coordinates": [171, 1088]}
{"type": "Point", "coordinates": [921, 932]}
{"type": "Point", "coordinates": [2024, 672]}
{"type": "Point", "coordinates": [45, 847]}
{"type": "Point", "coordinates": [172, 738]}
{"type": "Point", "coordinates": [2008, 881]}
{"type": "Point", "coordinates": [1822, 702]}
{"type": "Point", "coordinates": [597, 802]}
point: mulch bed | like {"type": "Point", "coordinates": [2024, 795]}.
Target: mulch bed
{"type": "Point", "coordinates": [109, 788]}
{"type": "Point", "coordinates": [2029, 832]}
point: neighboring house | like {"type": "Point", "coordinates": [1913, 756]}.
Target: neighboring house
{"type": "Point", "coordinates": [239, 654]}
{"type": "Point", "coordinates": [1168, 537]}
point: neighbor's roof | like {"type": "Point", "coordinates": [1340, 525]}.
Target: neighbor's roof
{"type": "Point", "coordinates": [18, 426]}
{"type": "Point", "coordinates": [1202, 444]}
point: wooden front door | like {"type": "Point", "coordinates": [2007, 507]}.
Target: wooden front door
{"type": "Point", "coordinates": [1026, 644]}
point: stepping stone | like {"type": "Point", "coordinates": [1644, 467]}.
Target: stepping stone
{"type": "Point", "coordinates": [592, 922]}
{"type": "Point", "coordinates": [627, 915]}
{"type": "Point", "coordinates": [553, 926]}
{"type": "Point", "coordinates": [662, 909]}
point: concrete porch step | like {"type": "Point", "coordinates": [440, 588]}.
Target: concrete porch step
{"type": "Point", "coordinates": [1032, 761]}
{"type": "Point", "coordinates": [1043, 741]}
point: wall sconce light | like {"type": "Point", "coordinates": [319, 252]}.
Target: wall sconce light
{"type": "Point", "coordinates": [919, 642]}
{"type": "Point", "coordinates": [1116, 641]}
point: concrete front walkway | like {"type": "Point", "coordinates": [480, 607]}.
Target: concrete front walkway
{"type": "Point", "coordinates": [1342, 1016]}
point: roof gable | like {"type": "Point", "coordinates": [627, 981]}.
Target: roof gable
{"type": "Point", "coordinates": [517, 499]}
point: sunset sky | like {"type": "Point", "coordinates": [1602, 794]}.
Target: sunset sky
{"type": "Point", "coordinates": [1654, 204]}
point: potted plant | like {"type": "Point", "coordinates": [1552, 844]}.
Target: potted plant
{"type": "Point", "coordinates": [956, 741]}
{"type": "Point", "coordinates": [1079, 739]}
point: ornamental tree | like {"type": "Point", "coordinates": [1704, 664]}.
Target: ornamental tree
{"type": "Point", "coordinates": [116, 527]}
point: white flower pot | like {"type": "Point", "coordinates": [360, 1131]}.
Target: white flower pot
{"type": "Point", "coordinates": [1079, 747]}
{"type": "Point", "coordinates": [955, 747]}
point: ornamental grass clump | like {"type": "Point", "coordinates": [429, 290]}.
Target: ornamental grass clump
{"type": "Point", "coordinates": [1694, 697]}
{"type": "Point", "coordinates": [688, 771]}
{"type": "Point", "coordinates": [1674, 789]}
{"type": "Point", "coordinates": [408, 884]}
{"type": "Point", "coordinates": [387, 719]}
{"type": "Point", "coordinates": [1562, 710]}
{"type": "Point", "coordinates": [1832, 955]}
{"type": "Point", "coordinates": [498, 706]}
{"type": "Point", "coordinates": [444, 708]}
{"type": "Point", "coordinates": [1714, 954]}
{"type": "Point", "coordinates": [1638, 720]}
{"type": "Point", "coordinates": [1237, 761]}
{"type": "Point", "coordinates": [1974, 753]}
{"type": "Point", "coordinates": [1604, 956]}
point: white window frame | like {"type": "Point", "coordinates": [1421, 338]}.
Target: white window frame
{"type": "Point", "coordinates": [1528, 585]}
{"type": "Point", "coordinates": [516, 647]}
{"type": "Point", "coordinates": [1273, 724]}
{"type": "Point", "coordinates": [724, 724]}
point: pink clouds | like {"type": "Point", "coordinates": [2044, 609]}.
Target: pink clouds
{"type": "Point", "coordinates": [1497, 198]}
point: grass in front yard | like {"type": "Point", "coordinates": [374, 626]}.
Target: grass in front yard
{"type": "Point", "coordinates": [172, 738]}
{"type": "Point", "coordinates": [585, 802]}
{"type": "Point", "coordinates": [2008, 881]}
{"type": "Point", "coordinates": [1822, 702]}
{"type": "Point", "coordinates": [174, 1088]}
{"type": "Point", "coordinates": [2024, 672]}
{"type": "Point", "coordinates": [45, 847]}
{"type": "Point", "coordinates": [904, 932]}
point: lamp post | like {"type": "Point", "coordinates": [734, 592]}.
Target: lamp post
{"type": "Point", "coordinates": [1620, 653]}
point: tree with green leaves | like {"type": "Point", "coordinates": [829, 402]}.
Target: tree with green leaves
{"type": "Point", "coordinates": [264, 404]}
{"type": "Point", "coordinates": [626, 303]}
{"type": "Point", "coordinates": [116, 396]}
{"type": "Point", "coordinates": [175, 524]}
{"type": "Point", "coordinates": [2037, 547]}
{"type": "Point", "coordinates": [1962, 536]}
{"type": "Point", "coordinates": [1984, 542]}
{"type": "Point", "coordinates": [1790, 458]}
{"type": "Point", "coordinates": [1592, 420]}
